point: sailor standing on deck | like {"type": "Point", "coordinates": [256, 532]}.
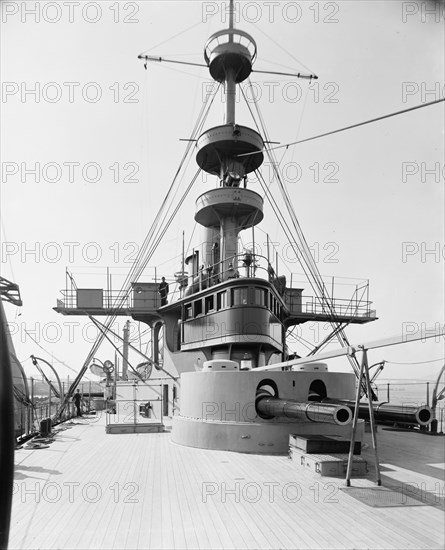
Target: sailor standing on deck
{"type": "Point", "coordinates": [163, 291]}
{"type": "Point", "coordinates": [77, 400]}
{"type": "Point", "coordinates": [232, 273]}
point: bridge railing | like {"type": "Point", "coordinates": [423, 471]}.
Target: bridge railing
{"type": "Point", "coordinates": [338, 295]}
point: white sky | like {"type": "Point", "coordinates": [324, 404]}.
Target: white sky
{"type": "Point", "coordinates": [385, 202]}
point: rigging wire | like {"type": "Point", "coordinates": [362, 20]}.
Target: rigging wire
{"type": "Point", "coordinates": [296, 338]}
{"type": "Point", "coordinates": [155, 230]}
{"type": "Point", "coordinates": [363, 123]}
{"type": "Point", "coordinates": [289, 235]}
{"type": "Point", "coordinates": [284, 50]}
{"type": "Point", "coordinates": [195, 225]}
{"type": "Point", "coordinates": [108, 323]}
{"type": "Point", "coordinates": [322, 295]}
{"type": "Point", "coordinates": [140, 334]}
{"type": "Point", "coordinates": [277, 211]}
{"type": "Point", "coordinates": [176, 70]}
{"type": "Point", "coordinates": [195, 132]}
{"type": "Point", "coordinates": [159, 220]}
{"type": "Point", "coordinates": [174, 36]}
{"type": "Point", "coordinates": [283, 223]}
{"type": "Point", "coordinates": [172, 216]}
{"type": "Point", "coordinates": [276, 63]}
{"type": "Point", "coordinates": [304, 250]}
{"type": "Point", "coordinates": [151, 241]}
{"type": "Point", "coordinates": [300, 123]}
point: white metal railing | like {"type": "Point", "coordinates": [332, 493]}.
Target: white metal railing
{"type": "Point", "coordinates": [353, 300]}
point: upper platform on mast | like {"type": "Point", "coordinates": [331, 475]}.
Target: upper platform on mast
{"type": "Point", "coordinates": [230, 49]}
{"type": "Point", "coordinates": [229, 55]}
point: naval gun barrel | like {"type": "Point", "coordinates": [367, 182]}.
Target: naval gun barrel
{"type": "Point", "coordinates": [271, 407]}
{"type": "Point", "coordinates": [387, 412]}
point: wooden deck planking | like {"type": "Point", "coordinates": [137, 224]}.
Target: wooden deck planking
{"type": "Point", "coordinates": [226, 533]}
{"type": "Point", "coordinates": [192, 471]}
{"type": "Point", "coordinates": [163, 529]}
{"type": "Point", "coordinates": [53, 457]}
{"type": "Point", "coordinates": [171, 512]}
{"type": "Point", "coordinates": [91, 471]}
{"type": "Point", "coordinates": [142, 509]}
{"type": "Point", "coordinates": [386, 529]}
{"type": "Point", "coordinates": [262, 512]}
{"type": "Point", "coordinates": [118, 512]}
{"type": "Point", "coordinates": [28, 461]}
{"type": "Point", "coordinates": [269, 520]}
{"type": "Point", "coordinates": [302, 515]}
{"type": "Point", "coordinates": [410, 534]}
{"type": "Point", "coordinates": [131, 494]}
{"type": "Point", "coordinates": [376, 530]}
{"type": "Point", "coordinates": [233, 524]}
{"type": "Point", "coordinates": [181, 506]}
{"type": "Point", "coordinates": [67, 510]}
{"type": "Point", "coordinates": [186, 536]}
{"type": "Point", "coordinates": [146, 475]}
{"type": "Point", "coordinates": [257, 514]}
{"type": "Point", "coordinates": [143, 512]}
{"type": "Point", "coordinates": [98, 470]}
{"type": "Point", "coordinates": [234, 506]}
{"type": "Point", "coordinates": [228, 478]}
{"type": "Point", "coordinates": [377, 524]}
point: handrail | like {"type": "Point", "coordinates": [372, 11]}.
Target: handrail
{"type": "Point", "coordinates": [248, 265]}
{"type": "Point", "coordinates": [229, 33]}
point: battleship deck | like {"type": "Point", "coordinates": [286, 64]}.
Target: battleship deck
{"type": "Point", "coordinates": [92, 490]}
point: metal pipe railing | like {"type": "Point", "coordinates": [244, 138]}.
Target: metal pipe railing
{"type": "Point", "coordinates": [249, 265]}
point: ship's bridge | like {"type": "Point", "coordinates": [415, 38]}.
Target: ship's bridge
{"type": "Point", "coordinates": [343, 300]}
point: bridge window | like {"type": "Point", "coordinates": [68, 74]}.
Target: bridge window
{"type": "Point", "coordinates": [188, 311]}
{"type": "Point", "coordinates": [197, 307]}
{"type": "Point", "coordinates": [239, 296]}
{"type": "Point", "coordinates": [209, 303]}
{"type": "Point", "coordinates": [221, 300]}
{"type": "Point", "coordinates": [260, 297]}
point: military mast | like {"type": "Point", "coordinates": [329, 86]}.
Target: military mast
{"type": "Point", "coordinates": [225, 211]}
